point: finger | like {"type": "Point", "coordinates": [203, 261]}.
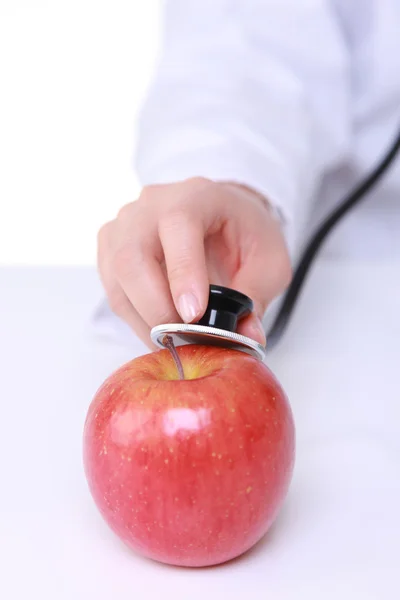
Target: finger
{"type": "Point", "coordinates": [121, 306]}
{"type": "Point", "coordinates": [117, 299]}
{"type": "Point", "coordinates": [138, 270]}
{"type": "Point", "coordinates": [182, 240]}
{"type": "Point", "coordinates": [137, 265]}
{"type": "Point", "coordinates": [252, 327]}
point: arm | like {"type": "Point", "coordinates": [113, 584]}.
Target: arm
{"type": "Point", "coordinates": [252, 92]}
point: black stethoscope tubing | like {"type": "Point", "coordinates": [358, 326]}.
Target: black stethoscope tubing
{"type": "Point", "coordinates": [308, 255]}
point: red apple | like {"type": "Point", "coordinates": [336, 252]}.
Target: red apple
{"type": "Point", "coordinates": [190, 472]}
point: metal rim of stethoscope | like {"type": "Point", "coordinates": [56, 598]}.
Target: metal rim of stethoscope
{"type": "Point", "coordinates": [202, 334]}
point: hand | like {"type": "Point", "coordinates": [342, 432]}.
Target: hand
{"type": "Point", "coordinates": [158, 257]}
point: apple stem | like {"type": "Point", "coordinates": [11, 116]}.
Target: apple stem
{"type": "Point", "coordinates": [168, 342]}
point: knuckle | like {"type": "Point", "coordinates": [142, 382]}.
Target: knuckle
{"type": "Point", "coordinates": [174, 224]}
{"type": "Point", "coordinates": [136, 216]}
{"type": "Point", "coordinates": [200, 182]}
{"type": "Point", "coordinates": [147, 194]}
{"type": "Point", "coordinates": [176, 218]}
{"type": "Point", "coordinates": [152, 195]}
{"type": "Point", "coordinates": [180, 269]}
{"type": "Point", "coordinates": [126, 211]}
{"type": "Point", "coordinates": [196, 190]}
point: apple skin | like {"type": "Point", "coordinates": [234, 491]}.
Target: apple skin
{"type": "Point", "coordinates": [193, 472]}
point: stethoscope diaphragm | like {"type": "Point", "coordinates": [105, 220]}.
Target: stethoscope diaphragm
{"type": "Point", "coordinates": [217, 327]}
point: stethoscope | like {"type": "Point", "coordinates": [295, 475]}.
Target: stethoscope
{"type": "Point", "coordinates": [226, 307]}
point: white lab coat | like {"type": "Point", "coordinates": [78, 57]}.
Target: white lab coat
{"type": "Point", "coordinates": [298, 99]}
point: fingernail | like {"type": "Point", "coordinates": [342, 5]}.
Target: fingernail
{"type": "Point", "coordinates": [188, 307]}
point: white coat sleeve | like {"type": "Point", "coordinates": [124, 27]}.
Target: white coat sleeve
{"type": "Point", "coordinates": [254, 91]}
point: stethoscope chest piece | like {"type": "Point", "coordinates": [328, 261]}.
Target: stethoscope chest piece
{"type": "Point", "coordinates": [226, 307]}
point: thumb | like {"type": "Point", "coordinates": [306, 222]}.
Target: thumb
{"type": "Point", "coordinates": [252, 327]}
{"type": "Point", "coordinates": [262, 277]}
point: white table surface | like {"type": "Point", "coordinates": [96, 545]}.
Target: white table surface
{"type": "Point", "coordinates": [339, 533]}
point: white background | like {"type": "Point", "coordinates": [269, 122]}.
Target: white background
{"type": "Point", "coordinates": [73, 74]}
